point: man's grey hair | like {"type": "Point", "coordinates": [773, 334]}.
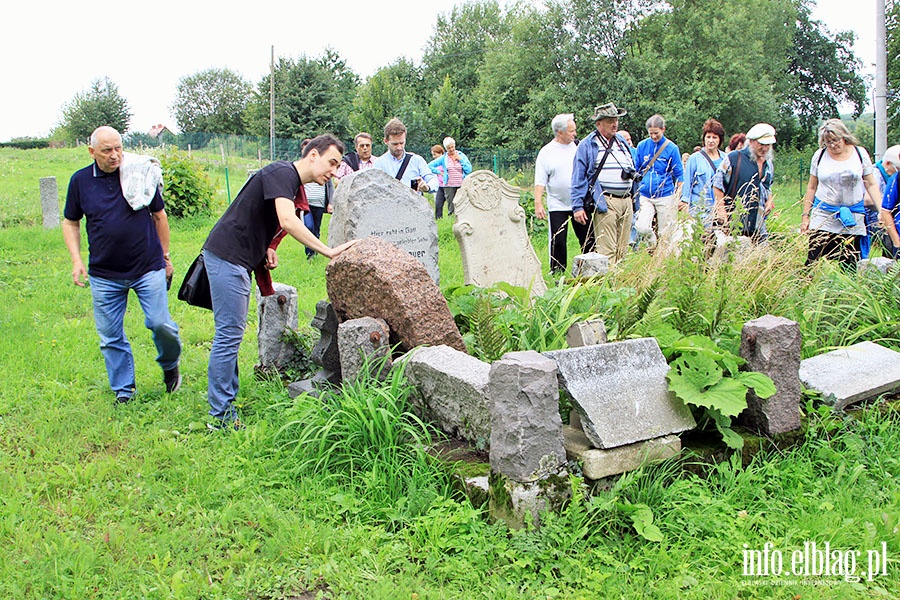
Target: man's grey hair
{"type": "Point", "coordinates": [96, 133]}
{"type": "Point", "coordinates": [561, 122]}
{"type": "Point", "coordinates": [656, 121]}
{"type": "Point", "coordinates": [892, 156]}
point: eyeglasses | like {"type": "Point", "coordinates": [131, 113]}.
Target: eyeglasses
{"type": "Point", "coordinates": [833, 143]}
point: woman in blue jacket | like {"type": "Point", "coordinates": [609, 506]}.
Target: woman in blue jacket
{"type": "Point", "coordinates": [452, 167]}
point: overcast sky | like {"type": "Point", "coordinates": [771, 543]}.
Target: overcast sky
{"type": "Point", "coordinates": [53, 50]}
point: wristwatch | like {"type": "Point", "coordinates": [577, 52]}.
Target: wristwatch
{"type": "Point", "coordinates": [166, 256]}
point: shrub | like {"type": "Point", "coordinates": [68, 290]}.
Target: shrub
{"type": "Point", "coordinates": [188, 188]}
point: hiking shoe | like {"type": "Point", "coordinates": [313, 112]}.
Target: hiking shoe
{"type": "Point", "coordinates": [172, 379]}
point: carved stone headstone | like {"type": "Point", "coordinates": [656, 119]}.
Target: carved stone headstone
{"type": "Point", "coordinates": [493, 241]}
{"type": "Point", "coordinates": [452, 389]}
{"type": "Point", "coordinates": [361, 340]}
{"type": "Point", "coordinates": [771, 345]}
{"type": "Point", "coordinates": [852, 374]}
{"type": "Point", "coordinates": [49, 202]}
{"type": "Point", "coordinates": [277, 313]}
{"type": "Point", "coordinates": [372, 203]}
{"type": "Point", "coordinates": [325, 353]}
{"type": "Point", "coordinates": [526, 429]}
{"type": "Point", "coordinates": [620, 392]}
{"type": "Point", "coordinates": [374, 278]}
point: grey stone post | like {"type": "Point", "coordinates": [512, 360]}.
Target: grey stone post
{"type": "Point", "coordinates": [363, 339]}
{"type": "Point", "coordinates": [277, 313]}
{"type": "Point", "coordinates": [771, 345]}
{"type": "Point", "coordinates": [49, 202]}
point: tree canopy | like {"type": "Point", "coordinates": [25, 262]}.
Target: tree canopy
{"type": "Point", "coordinates": [212, 101]}
{"type": "Point", "coordinates": [100, 105]}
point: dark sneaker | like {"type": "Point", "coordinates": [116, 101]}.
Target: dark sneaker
{"type": "Point", "coordinates": [220, 425]}
{"type": "Point", "coordinates": [124, 399]}
{"type": "Point", "coordinates": [172, 379]}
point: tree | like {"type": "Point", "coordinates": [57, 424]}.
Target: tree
{"type": "Point", "coordinates": [312, 96]}
{"type": "Point", "coordinates": [393, 91]}
{"type": "Point", "coordinates": [892, 26]}
{"type": "Point", "coordinates": [456, 51]}
{"type": "Point", "coordinates": [212, 101]}
{"type": "Point", "coordinates": [100, 105]}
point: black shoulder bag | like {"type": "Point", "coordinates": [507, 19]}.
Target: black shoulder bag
{"type": "Point", "coordinates": [195, 288]}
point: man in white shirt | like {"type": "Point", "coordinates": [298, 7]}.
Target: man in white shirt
{"type": "Point", "coordinates": [408, 167]}
{"type": "Point", "coordinates": [553, 173]}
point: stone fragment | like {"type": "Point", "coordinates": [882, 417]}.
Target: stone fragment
{"type": "Point", "coordinates": [364, 340]}
{"type": "Point", "coordinates": [590, 265]}
{"type": "Point", "coordinates": [516, 503]}
{"type": "Point", "coordinates": [325, 353]}
{"type": "Point", "coordinates": [277, 316]}
{"type": "Point", "coordinates": [49, 202]}
{"type": "Point", "coordinates": [526, 429]}
{"type": "Point", "coordinates": [879, 263]}
{"type": "Point", "coordinates": [849, 375]}
{"type": "Point", "coordinates": [493, 241]}
{"type": "Point", "coordinates": [452, 390]}
{"type": "Point", "coordinates": [597, 463]}
{"type": "Point", "coordinates": [621, 393]}
{"type": "Point", "coordinates": [374, 278]}
{"type": "Point", "coordinates": [771, 345]}
{"type": "Point", "coordinates": [372, 203]}
{"type": "Point", "coordinates": [586, 333]}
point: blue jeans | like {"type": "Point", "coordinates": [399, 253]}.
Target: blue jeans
{"type": "Point", "coordinates": [313, 222]}
{"type": "Point", "coordinates": [229, 286]}
{"type": "Point", "coordinates": [110, 301]}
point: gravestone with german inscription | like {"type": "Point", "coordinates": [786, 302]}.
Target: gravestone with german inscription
{"type": "Point", "coordinates": [372, 203]}
{"type": "Point", "coordinates": [493, 240]}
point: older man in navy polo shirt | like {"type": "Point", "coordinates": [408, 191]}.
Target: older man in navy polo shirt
{"type": "Point", "coordinates": [128, 250]}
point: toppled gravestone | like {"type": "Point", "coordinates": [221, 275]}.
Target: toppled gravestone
{"type": "Point", "coordinates": [879, 263]}
{"type": "Point", "coordinates": [277, 315]}
{"type": "Point", "coordinates": [452, 391]}
{"type": "Point", "coordinates": [620, 392]}
{"type": "Point", "coordinates": [493, 242]}
{"type": "Point", "coordinates": [374, 278]}
{"type": "Point", "coordinates": [372, 203]}
{"type": "Point", "coordinates": [526, 429]}
{"type": "Point", "coordinates": [771, 345]}
{"type": "Point", "coordinates": [849, 375]}
{"type": "Point", "coordinates": [364, 342]}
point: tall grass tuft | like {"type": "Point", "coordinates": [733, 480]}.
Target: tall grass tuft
{"type": "Point", "coordinates": [366, 437]}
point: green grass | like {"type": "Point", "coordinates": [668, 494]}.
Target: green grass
{"type": "Point", "coordinates": [140, 501]}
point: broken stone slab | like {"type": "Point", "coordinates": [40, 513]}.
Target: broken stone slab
{"type": "Point", "coordinates": [277, 316]}
{"type": "Point", "coordinates": [597, 463]}
{"type": "Point", "coordinates": [590, 264]}
{"type": "Point", "coordinates": [526, 429]}
{"type": "Point", "coordinates": [516, 503]}
{"type": "Point", "coordinates": [586, 333]}
{"type": "Point", "coordinates": [304, 386]}
{"type": "Point", "coordinates": [853, 374]}
{"type": "Point", "coordinates": [374, 278]}
{"type": "Point", "coordinates": [621, 393]}
{"type": "Point", "coordinates": [452, 390]}
{"type": "Point", "coordinates": [879, 263]}
{"type": "Point", "coordinates": [361, 341]}
{"type": "Point", "coordinates": [771, 345]}
{"type": "Point", "coordinates": [493, 241]}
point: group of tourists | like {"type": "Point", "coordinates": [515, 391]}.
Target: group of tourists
{"type": "Point", "coordinates": [119, 196]}
{"type": "Point", "coordinates": [618, 196]}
